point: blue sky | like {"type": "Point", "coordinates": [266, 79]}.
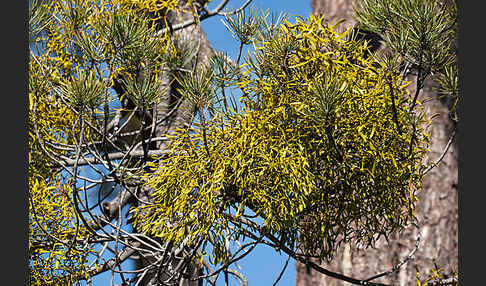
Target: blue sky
{"type": "Point", "coordinates": [222, 40]}
{"type": "Point", "coordinates": [263, 265]}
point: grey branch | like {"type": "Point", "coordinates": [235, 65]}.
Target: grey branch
{"type": "Point", "coordinates": [188, 23]}
{"type": "Point", "coordinates": [396, 267]}
{"type": "Point", "coordinates": [112, 156]}
{"type": "Point", "coordinates": [446, 149]}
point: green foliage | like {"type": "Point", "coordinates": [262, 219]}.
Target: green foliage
{"type": "Point", "coordinates": [38, 19]}
{"type": "Point", "coordinates": [423, 35]}
{"type": "Point", "coordinates": [418, 30]}
{"type": "Point", "coordinates": [448, 87]}
{"type": "Point", "coordinates": [327, 146]}
{"type": "Point", "coordinates": [85, 91]}
{"type": "Point", "coordinates": [197, 87]}
{"type": "Point", "coordinates": [245, 25]}
{"type": "Point", "coordinates": [324, 151]}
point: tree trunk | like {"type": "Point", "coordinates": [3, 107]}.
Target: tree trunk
{"type": "Point", "coordinates": [172, 113]}
{"type": "Point", "coordinates": [436, 209]}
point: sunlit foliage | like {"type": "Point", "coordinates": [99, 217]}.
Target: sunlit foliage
{"type": "Point", "coordinates": [325, 146]}
{"type": "Point", "coordinates": [324, 150]}
{"type": "Point", "coordinates": [77, 49]}
{"type": "Point", "coordinates": [437, 277]}
{"type": "Point", "coordinates": [58, 254]}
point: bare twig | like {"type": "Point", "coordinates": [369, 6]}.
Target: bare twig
{"type": "Point", "coordinates": [301, 258]}
{"type": "Point", "coordinates": [236, 10]}
{"type": "Point", "coordinates": [448, 281]}
{"type": "Point", "coordinates": [240, 48]}
{"type": "Point", "coordinates": [394, 107]}
{"type": "Point", "coordinates": [396, 267]}
{"type": "Point", "coordinates": [446, 149]}
{"type": "Point", "coordinates": [110, 264]}
{"type": "Point", "coordinates": [113, 156]}
{"type": "Point", "coordinates": [244, 281]}
{"type": "Point", "coordinates": [282, 272]}
{"type": "Point", "coordinates": [188, 23]}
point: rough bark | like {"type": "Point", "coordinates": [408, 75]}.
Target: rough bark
{"type": "Point", "coordinates": [335, 10]}
{"type": "Point", "coordinates": [436, 209]}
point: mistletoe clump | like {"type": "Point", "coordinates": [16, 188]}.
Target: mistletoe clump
{"type": "Point", "coordinates": [326, 149]}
